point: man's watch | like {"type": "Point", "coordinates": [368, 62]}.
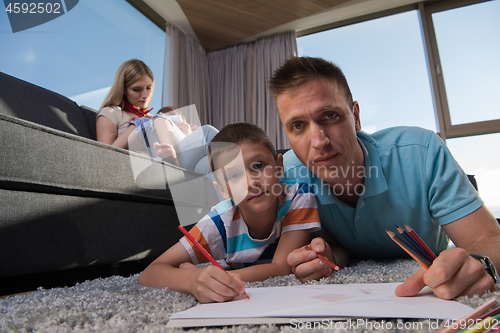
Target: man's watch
{"type": "Point", "coordinates": [488, 266]}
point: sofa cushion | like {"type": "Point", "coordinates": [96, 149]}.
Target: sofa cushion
{"type": "Point", "coordinates": [38, 156]}
{"type": "Point", "coordinates": [30, 102]}
{"type": "Point", "coordinates": [91, 116]}
{"type": "Point", "coordinates": [68, 201]}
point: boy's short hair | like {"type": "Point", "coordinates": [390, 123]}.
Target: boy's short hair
{"type": "Point", "coordinates": [234, 134]}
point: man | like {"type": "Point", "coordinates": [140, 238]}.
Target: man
{"type": "Point", "coordinates": [367, 183]}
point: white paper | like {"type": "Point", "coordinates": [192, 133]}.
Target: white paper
{"type": "Point", "coordinates": [327, 301]}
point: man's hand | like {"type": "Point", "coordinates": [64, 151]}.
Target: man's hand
{"type": "Point", "coordinates": [453, 273]}
{"type": "Point", "coordinates": [305, 263]}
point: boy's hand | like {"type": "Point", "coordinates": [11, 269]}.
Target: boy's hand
{"type": "Point", "coordinates": [453, 273]}
{"type": "Point", "coordinates": [212, 284]}
{"type": "Point", "coordinates": [305, 263]}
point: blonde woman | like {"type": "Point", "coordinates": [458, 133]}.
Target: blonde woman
{"type": "Point", "coordinates": [128, 99]}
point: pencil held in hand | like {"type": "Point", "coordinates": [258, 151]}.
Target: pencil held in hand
{"type": "Point", "coordinates": [421, 242]}
{"type": "Point", "coordinates": [412, 252]}
{"type": "Point", "coordinates": [202, 250]}
{"type": "Point", "coordinates": [324, 259]}
{"type": "Point", "coordinates": [413, 242]}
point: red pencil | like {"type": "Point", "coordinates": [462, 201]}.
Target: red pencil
{"type": "Point", "coordinates": [324, 259]}
{"type": "Point", "coordinates": [420, 242]}
{"type": "Point", "coordinates": [202, 250]}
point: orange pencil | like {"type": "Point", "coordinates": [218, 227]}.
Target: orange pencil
{"type": "Point", "coordinates": [420, 242]}
{"type": "Point", "coordinates": [324, 259]}
{"type": "Point", "coordinates": [417, 256]}
{"type": "Point", "coordinates": [202, 250]}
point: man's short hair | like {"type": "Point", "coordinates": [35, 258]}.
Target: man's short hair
{"type": "Point", "coordinates": [298, 71]}
{"type": "Point", "coordinates": [235, 134]}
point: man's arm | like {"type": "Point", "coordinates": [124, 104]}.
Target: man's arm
{"type": "Point", "coordinates": [454, 273]}
{"type": "Point", "coordinates": [477, 233]}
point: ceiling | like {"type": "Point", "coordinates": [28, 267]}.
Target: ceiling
{"type": "Point", "coordinates": [217, 24]}
{"type": "Point", "coordinates": [220, 23]}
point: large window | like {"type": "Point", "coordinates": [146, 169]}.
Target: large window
{"type": "Point", "coordinates": [479, 156]}
{"type": "Point", "coordinates": [464, 57]}
{"type": "Point", "coordinates": [468, 40]}
{"type": "Point", "coordinates": [435, 67]}
{"type": "Point", "coordinates": [78, 53]}
{"type": "Point", "coordinates": [384, 62]}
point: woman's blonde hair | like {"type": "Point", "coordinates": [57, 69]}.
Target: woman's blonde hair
{"type": "Point", "coordinates": [129, 72]}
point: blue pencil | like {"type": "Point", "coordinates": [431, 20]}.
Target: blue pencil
{"type": "Point", "coordinates": [414, 243]}
{"type": "Point", "coordinates": [409, 249]}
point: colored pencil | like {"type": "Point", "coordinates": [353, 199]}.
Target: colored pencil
{"type": "Point", "coordinates": [492, 313]}
{"type": "Point", "coordinates": [413, 242]}
{"type": "Point", "coordinates": [482, 325]}
{"type": "Point", "coordinates": [420, 241]}
{"type": "Point", "coordinates": [416, 255]}
{"type": "Point", "coordinates": [202, 250]}
{"type": "Point", "coordinates": [470, 316]}
{"type": "Point", "coordinates": [496, 328]}
{"type": "Point", "coordinates": [324, 259]}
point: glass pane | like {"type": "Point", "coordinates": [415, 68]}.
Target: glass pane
{"type": "Point", "coordinates": [468, 42]}
{"type": "Point", "coordinates": [480, 156]}
{"type": "Point", "coordinates": [385, 65]}
{"type": "Point", "coordinates": [78, 53]}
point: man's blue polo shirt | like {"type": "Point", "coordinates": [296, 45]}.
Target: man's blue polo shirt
{"type": "Point", "coordinates": [411, 178]}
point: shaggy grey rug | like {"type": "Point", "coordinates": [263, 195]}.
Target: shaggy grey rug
{"type": "Point", "coordinates": [118, 304]}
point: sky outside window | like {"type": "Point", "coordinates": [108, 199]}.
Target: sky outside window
{"type": "Point", "coordinates": [385, 66]}
{"type": "Point", "coordinates": [468, 40]}
{"type": "Point", "coordinates": [479, 156]}
{"type": "Point", "coordinates": [77, 54]}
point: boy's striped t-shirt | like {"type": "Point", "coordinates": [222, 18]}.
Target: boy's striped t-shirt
{"type": "Point", "coordinates": [224, 233]}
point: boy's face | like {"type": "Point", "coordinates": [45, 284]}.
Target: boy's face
{"type": "Point", "coordinates": [252, 178]}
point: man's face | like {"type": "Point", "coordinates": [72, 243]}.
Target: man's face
{"type": "Point", "coordinates": [321, 127]}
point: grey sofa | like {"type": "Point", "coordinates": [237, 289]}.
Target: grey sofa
{"type": "Point", "coordinates": [68, 201]}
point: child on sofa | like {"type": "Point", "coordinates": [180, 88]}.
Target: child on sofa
{"type": "Point", "coordinates": [169, 137]}
{"type": "Point", "coordinates": [244, 230]}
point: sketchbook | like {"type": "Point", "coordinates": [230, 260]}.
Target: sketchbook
{"type": "Point", "coordinates": [285, 305]}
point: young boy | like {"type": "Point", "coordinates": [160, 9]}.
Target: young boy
{"type": "Point", "coordinates": [245, 229]}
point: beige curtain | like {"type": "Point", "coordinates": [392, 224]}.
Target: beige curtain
{"type": "Point", "coordinates": [239, 78]}
{"type": "Point", "coordinates": [228, 85]}
{"type": "Point", "coordinates": [185, 79]}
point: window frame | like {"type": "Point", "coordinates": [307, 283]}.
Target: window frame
{"type": "Point", "coordinates": [442, 112]}
{"type": "Point", "coordinates": [447, 129]}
